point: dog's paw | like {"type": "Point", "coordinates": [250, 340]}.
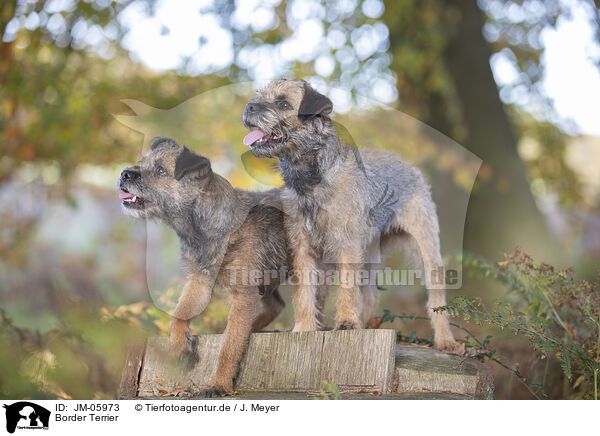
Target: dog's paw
{"type": "Point", "coordinates": [189, 355]}
{"type": "Point", "coordinates": [346, 326]}
{"type": "Point", "coordinates": [177, 344]}
{"type": "Point", "coordinates": [179, 339]}
{"type": "Point", "coordinates": [449, 346]}
{"type": "Point", "coordinates": [306, 327]}
{"type": "Point", "coordinates": [191, 343]}
{"type": "Point", "coordinates": [216, 391]}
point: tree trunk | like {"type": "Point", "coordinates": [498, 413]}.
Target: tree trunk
{"type": "Point", "coordinates": [502, 213]}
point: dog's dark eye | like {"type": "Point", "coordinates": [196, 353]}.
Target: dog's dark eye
{"type": "Point", "coordinates": [284, 105]}
{"type": "Point", "coordinates": [160, 171]}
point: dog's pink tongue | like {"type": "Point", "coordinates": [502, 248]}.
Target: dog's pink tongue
{"type": "Point", "coordinates": [252, 137]}
{"type": "Point", "coordinates": [126, 195]}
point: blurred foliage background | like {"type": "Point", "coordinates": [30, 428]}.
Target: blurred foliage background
{"type": "Point", "coordinates": [74, 282]}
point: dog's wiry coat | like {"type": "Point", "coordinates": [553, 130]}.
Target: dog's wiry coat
{"type": "Point", "coordinates": [340, 200]}
{"type": "Point", "coordinates": [222, 231]}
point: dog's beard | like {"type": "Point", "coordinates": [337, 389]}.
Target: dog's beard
{"type": "Point", "coordinates": [268, 133]}
{"type": "Point", "coordinates": [133, 204]}
{"type": "Point", "coordinates": [271, 136]}
{"type": "Point", "coordinates": [265, 142]}
{"type": "Point", "coordinates": [266, 149]}
{"type": "Point", "coordinates": [133, 213]}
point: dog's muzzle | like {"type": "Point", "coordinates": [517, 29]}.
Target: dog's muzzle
{"type": "Point", "coordinates": [250, 114]}
{"type": "Point", "coordinates": [128, 177]}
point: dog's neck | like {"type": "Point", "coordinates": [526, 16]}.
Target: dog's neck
{"type": "Point", "coordinates": [204, 227]}
{"type": "Point", "coordinates": [303, 174]}
{"type": "Point", "coordinates": [306, 170]}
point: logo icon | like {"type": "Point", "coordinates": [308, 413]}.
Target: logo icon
{"type": "Point", "coordinates": [26, 415]}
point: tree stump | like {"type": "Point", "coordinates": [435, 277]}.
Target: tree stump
{"type": "Point", "coordinates": [361, 363]}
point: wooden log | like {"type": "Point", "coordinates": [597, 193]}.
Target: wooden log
{"type": "Point", "coordinates": [294, 365]}
{"type": "Point", "coordinates": [281, 395]}
{"type": "Point", "coordinates": [134, 357]}
{"type": "Point", "coordinates": [420, 369]}
{"type": "Point", "coordinates": [296, 362]}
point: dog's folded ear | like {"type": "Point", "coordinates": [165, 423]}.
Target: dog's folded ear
{"type": "Point", "coordinates": [313, 104]}
{"type": "Point", "coordinates": [189, 162]}
{"type": "Point", "coordinates": [161, 141]}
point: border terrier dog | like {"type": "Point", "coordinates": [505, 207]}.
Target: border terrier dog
{"type": "Point", "coordinates": [222, 232]}
{"type": "Point", "coordinates": [339, 201]}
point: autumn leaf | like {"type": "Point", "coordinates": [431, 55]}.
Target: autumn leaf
{"type": "Point", "coordinates": [173, 393]}
{"type": "Point", "coordinates": [578, 381]}
{"type": "Point", "coordinates": [375, 323]}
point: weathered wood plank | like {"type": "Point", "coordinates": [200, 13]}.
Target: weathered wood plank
{"type": "Point", "coordinates": [300, 362]}
{"type": "Point", "coordinates": [297, 363]}
{"type": "Point", "coordinates": [163, 373]}
{"type": "Point", "coordinates": [282, 361]}
{"type": "Point", "coordinates": [281, 395]}
{"type": "Point", "coordinates": [366, 360]}
{"type": "Point", "coordinates": [420, 369]}
{"type": "Point", "coordinates": [134, 358]}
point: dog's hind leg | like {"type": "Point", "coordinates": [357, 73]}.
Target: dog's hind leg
{"type": "Point", "coordinates": [237, 332]}
{"type": "Point", "coordinates": [368, 286]}
{"type": "Point", "coordinates": [419, 219]}
{"type": "Point", "coordinates": [322, 292]}
{"type": "Point", "coordinates": [370, 296]}
{"type": "Point", "coordinates": [386, 244]}
{"type": "Point", "coordinates": [272, 304]}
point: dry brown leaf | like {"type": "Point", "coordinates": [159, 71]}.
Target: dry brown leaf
{"type": "Point", "coordinates": [375, 323]}
{"type": "Point", "coordinates": [578, 382]}
{"type": "Point", "coordinates": [173, 393]}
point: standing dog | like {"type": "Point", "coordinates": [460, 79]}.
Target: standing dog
{"type": "Point", "coordinates": [339, 201]}
{"type": "Point", "coordinates": [225, 234]}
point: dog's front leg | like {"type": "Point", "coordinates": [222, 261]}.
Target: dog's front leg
{"type": "Point", "coordinates": [192, 302]}
{"type": "Point", "coordinates": [349, 300]}
{"type": "Point", "coordinates": [237, 332]}
{"type": "Point", "coordinates": [306, 312]}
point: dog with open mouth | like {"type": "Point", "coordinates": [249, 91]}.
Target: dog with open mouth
{"type": "Point", "coordinates": [228, 237]}
{"type": "Point", "coordinates": [339, 201]}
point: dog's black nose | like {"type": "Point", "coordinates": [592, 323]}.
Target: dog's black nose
{"type": "Point", "coordinates": [252, 107]}
{"type": "Point", "coordinates": [129, 174]}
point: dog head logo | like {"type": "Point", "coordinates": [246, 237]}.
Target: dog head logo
{"type": "Point", "coordinates": [26, 415]}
